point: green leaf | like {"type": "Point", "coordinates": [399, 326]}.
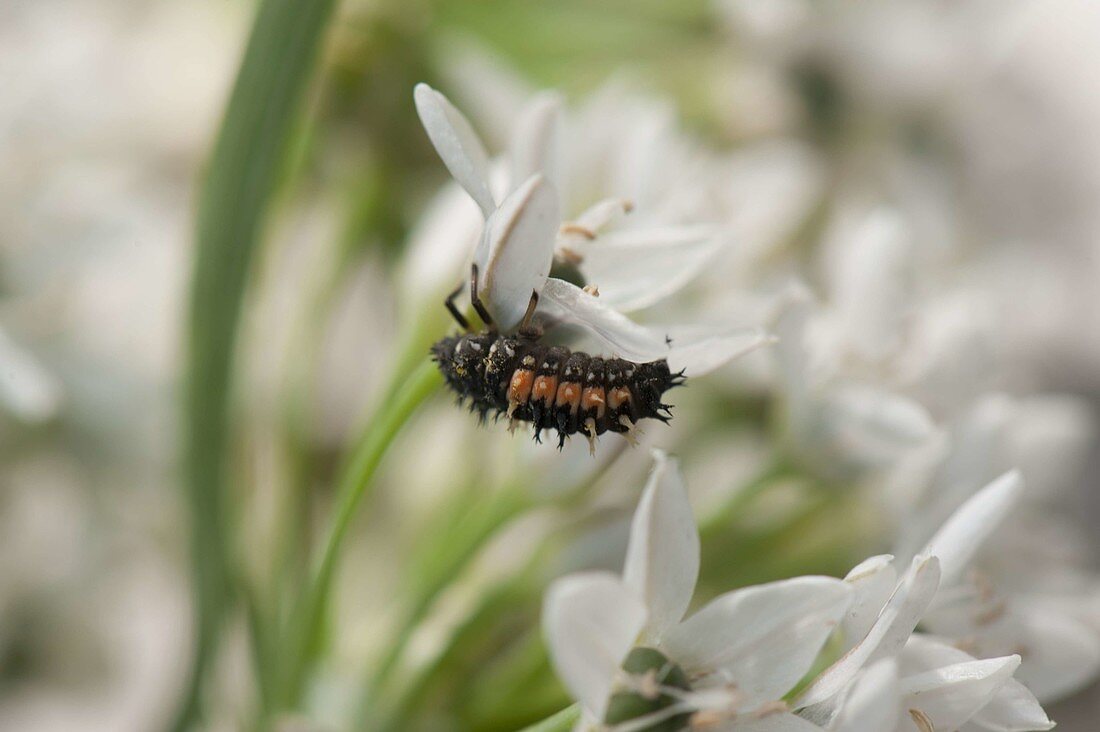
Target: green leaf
{"type": "Point", "coordinates": [262, 113]}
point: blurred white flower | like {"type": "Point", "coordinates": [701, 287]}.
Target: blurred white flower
{"type": "Point", "coordinates": [624, 650]}
{"type": "Point", "coordinates": [839, 424]}
{"type": "Point", "coordinates": [940, 685]}
{"type": "Point", "coordinates": [524, 232]}
{"type": "Point", "coordinates": [941, 690]}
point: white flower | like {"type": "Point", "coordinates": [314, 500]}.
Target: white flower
{"type": "Point", "coordinates": [524, 228]}
{"type": "Point", "coordinates": [836, 423]}
{"type": "Point", "coordinates": [941, 686]}
{"type": "Point", "coordinates": [732, 662]}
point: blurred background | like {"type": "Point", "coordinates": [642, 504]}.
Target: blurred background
{"type": "Point", "coordinates": [973, 122]}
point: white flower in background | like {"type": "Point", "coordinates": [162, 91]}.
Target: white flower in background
{"type": "Point", "coordinates": [1030, 591]}
{"type": "Point", "coordinates": [936, 684]}
{"type": "Point", "coordinates": [624, 650]}
{"type": "Point", "coordinates": [837, 423]}
{"type": "Point", "coordinates": [944, 690]}
{"type": "Point", "coordinates": [524, 232]}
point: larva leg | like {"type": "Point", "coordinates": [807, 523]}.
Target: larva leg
{"type": "Point", "coordinates": [632, 430]}
{"type": "Point", "coordinates": [526, 327]}
{"type": "Point", "coordinates": [475, 300]}
{"type": "Point", "coordinates": [590, 430]}
{"type": "Point", "coordinates": [450, 303]}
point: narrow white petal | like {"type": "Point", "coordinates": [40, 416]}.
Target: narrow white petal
{"type": "Point", "coordinates": [952, 695]}
{"type": "Point", "coordinates": [536, 140]}
{"type": "Point", "coordinates": [662, 558]}
{"type": "Point", "coordinates": [626, 338]}
{"type": "Point", "coordinates": [872, 582]}
{"type": "Point", "coordinates": [962, 534]}
{"type": "Point", "coordinates": [698, 351]}
{"type": "Point", "coordinates": [591, 621]}
{"type": "Point", "coordinates": [887, 635]}
{"type": "Point", "coordinates": [457, 144]}
{"type": "Point", "coordinates": [873, 703]}
{"type": "Point", "coordinates": [517, 250]}
{"type": "Point", "coordinates": [639, 267]}
{"type": "Point", "coordinates": [695, 350]}
{"type": "Point", "coordinates": [764, 638]}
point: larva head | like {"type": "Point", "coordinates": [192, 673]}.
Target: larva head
{"type": "Point", "coordinates": [461, 359]}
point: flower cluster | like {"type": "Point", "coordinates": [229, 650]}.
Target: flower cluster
{"type": "Point", "coordinates": [622, 646]}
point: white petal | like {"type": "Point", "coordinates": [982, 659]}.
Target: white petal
{"type": "Point", "coordinates": [873, 703]}
{"type": "Point", "coordinates": [886, 637]}
{"type": "Point", "coordinates": [636, 268]}
{"type": "Point", "coordinates": [591, 621]}
{"type": "Point", "coordinates": [439, 247]}
{"type": "Point", "coordinates": [962, 534]}
{"type": "Point", "coordinates": [951, 695]}
{"type": "Point", "coordinates": [517, 249]}
{"type": "Point", "coordinates": [662, 559]}
{"type": "Point", "coordinates": [457, 144]}
{"type": "Point", "coordinates": [762, 638]}
{"type": "Point", "coordinates": [872, 582]}
{"type": "Point", "coordinates": [874, 425]}
{"type": "Point", "coordinates": [627, 339]}
{"type": "Point", "coordinates": [536, 140]}
{"type": "Point", "coordinates": [872, 282]}
{"type": "Point", "coordinates": [696, 350]}
{"type": "Point", "coordinates": [1012, 709]}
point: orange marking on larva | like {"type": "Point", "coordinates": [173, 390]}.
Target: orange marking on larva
{"type": "Point", "coordinates": [545, 389]}
{"type": "Point", "coordinates": [569, 393]}
{"type": "Point", "coordinates": [594, 396]}
{"type": "Point", "coordinates": [619, 396]}
{"type": "Point", "coordinates": [520, 388]}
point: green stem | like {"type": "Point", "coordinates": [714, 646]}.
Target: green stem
{"type": "Point", "coordinates": [563, 721]}
{"type": "Point", "coordinates": [249, 155]}
{"type": "Point", "coordinates": [446, 561]}
{"type": "Point", "coordinates": [452, 553]}
{"type": "Point", "coordinates": [353, 488]}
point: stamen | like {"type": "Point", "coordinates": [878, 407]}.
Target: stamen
{"type": "Point", "coordinates": [924, 724]}
{"type": "Point", "coordinates": [571, 228]}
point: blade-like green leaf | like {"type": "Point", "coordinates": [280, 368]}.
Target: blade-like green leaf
{"type": "Point", "coordinates": [262, 113]}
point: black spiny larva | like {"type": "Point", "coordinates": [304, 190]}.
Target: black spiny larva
{"type": "Point", "coordinates": [551, 387]}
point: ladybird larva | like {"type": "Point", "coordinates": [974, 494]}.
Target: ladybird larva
{"type": "Point", "coordinates": [552, 387]}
